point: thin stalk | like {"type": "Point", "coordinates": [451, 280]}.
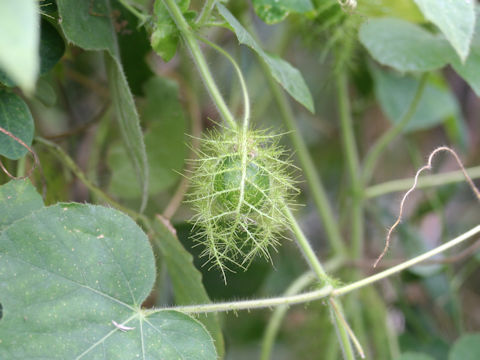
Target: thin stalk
{"type": "Point", "coordinates": [423, 182]}
{"type": "Point", "coordinates": [324, 292]}
{"type": "Point", "coordinates": [243, 85]}
{"type": "Point", "coordinates": [205, 13]}
{"type": "Point", "coordinates": [409, 263]}
{"type": "Point", "coordinates": [307, 250]}
{"type": "Point", "coordinates": [201, 63]}
{"type": "Point", "coordinates": [343, 330]}
{"type": "Point", "coordinates": [353, 164]}
{"type": "Point", "coordinates": [142, 17]}
{"type": "Point", "coordinates": [21, 167]}
{"type": "Point", "coordinates": [377, 149]}
{"type": "Point", "coordinates": [276, 319]}
{"type": "Point", "coordinates": [314, 181]}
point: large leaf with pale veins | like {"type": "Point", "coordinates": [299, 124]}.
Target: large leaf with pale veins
{"type": "Point", "coordinates": [88, 24]}
{"type": "Point", "coordinates": [285, 74]}
{"type": "Point", "coordinates": [72, 281]}
{"type": "Point", "coordinates": [18, 198]}
{"type": "Point", "coordinates": [186, 279]}
{"type": "Point", "coordinates": [15, 117]}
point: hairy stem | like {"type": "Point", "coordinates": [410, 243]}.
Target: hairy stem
{"type": "Point", "coordinates": [314, 181]}
{"type": "Point", "coordinates": [377, 149]}
{"type": "Point", "coordinates": [336, 308]}
{"type": "Point", "coordinates": [199, 59]}
{"type": "Point", "coordinates": [324, 292]}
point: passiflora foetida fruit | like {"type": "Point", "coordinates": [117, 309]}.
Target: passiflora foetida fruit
{"type": "Point", "coordinates": [241, 183]}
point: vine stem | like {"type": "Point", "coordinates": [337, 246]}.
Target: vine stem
{"type": "Point", "coordinates": [315, 183]}
{"type": "Point", "coordinates": [353, 163]}
{"type": "Point", "coordinates": [200, 61]}
{"type": "Point", "coordinates": [343, 330]}
{"type": "Point", "coordinates": [243, 85]}
{"type": "Point", "coordinates": [325, 291]}
{"type": "Point", "coordinates": [377, 149]}
{"type": "Point", "coordinates": [423, 182]}
{"type": "Point", "coordinates": [205, 13]}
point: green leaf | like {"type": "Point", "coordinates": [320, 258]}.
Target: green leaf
{"type": "Point", "coordinates": [129, 124]}
{"type": "Point", "coordinates": [395, 94]}
{"type": "Point", "coordinates": [469, 69]}
{"type": "Point", "coordinates": [52, 46]}
{"type": "Point", "coordinates": [274, 11]}
{"type": "Point", "coordinates": [165, 36]}
{"type": "Point", "coordinates": [164, 140]}
{"type": "Point", "coordinates": [186, 279]}
{"type": "Point", "coordinates": [69, 273]}
{"type": "Point", "coordinates": [88, 25]}
{"type": "Point", "coordinates": [414, 356]}
{"type": "Point", "coordinates": [403, 45]}
{"type": "Point", "coordinates": [19, 42]}
{"type": "Point", "coordinates": [18, 198]}
{"type": "Point", "coordinates": [285, 74]}
{"type": "Point", "coordinates": [466, 348]}
{"type": "Point", "coordinates": [455, 18]}
{"type": "Point", "coordinates": [15, 117]}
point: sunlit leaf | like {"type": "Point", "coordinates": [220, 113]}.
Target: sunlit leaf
{"type": "Point", "coordinates": [19, 42]}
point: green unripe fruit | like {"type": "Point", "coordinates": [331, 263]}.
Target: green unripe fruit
{"type": "Point", "coordinates": [229, 177]}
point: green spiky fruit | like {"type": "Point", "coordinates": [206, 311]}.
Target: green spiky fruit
{"type": "Point", "coordinates": [241, 184]}
{"type": "Point", "coordinates": [229, 179]}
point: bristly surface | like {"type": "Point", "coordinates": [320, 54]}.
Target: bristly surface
{"type": "Point", "coordinates": [239, 200]}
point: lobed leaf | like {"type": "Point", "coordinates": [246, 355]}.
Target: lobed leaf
{"type": "Point", "coordinates": [186, 279]}
{"type": "Point", "coordinates": [285, 74]}
{"type": "Point", "coordinates": [18, 198]}
{"type": "Point", "coordinates": [72, 281]}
